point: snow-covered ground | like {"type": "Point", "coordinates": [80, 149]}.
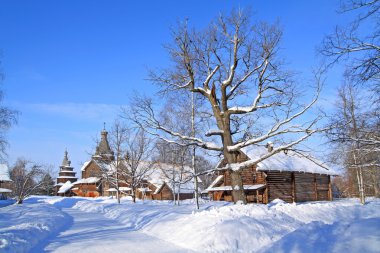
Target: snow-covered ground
{"type": "Point", "coordinates": [55, 224]}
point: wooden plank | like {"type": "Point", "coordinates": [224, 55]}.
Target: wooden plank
{"type": "Point", "coordinates": [330, 190]}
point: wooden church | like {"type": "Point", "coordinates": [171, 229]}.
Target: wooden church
{"type": "Point", "coordinates": [65, 177]}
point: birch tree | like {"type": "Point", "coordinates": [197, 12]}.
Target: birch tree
{"type": "Point", "coordinates": [8, 117]}
{"type": "Point", "coordinates": [353, 136]}
{"type": "Point", "coordinates": [236, 67]}
{"type": "Point", "coordinates": [357, 47]}
{"type": "Point", "coordinates": [118, 137]}
{"type": "Point", "coordinates": [138, 160]}
{"type": "Point", "coordinates": [175, 162]}
{"type": "Point", "coordinates": [27, 178]}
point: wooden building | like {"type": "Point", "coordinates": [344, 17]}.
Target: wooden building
{"type": "Point", "coordinates": [65, 177]}
{"type": "Point", "coordinates": [287, 176]}
{"type": "Point", "coordinates": [5, 182]}
{"type": "Point", "coordinates": [93, 183]}
{"type": "Point", "coordinates": [160, 187]}
{"type": "Point", "coordinates": [102, 164]}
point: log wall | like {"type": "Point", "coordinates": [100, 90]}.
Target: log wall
{"type": "Point", "coordinates": [297, 186]}
{"type": "Point", "coordinates": [92, 170]}
{"type": "Point", "coordinates": [279, 185]}
{"type": "Point", "coordinates": [249, 176]}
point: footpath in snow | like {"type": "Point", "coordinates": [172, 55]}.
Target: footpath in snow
{"type": "Point", "coordinates": [54, 224]}
{"type": "Point", "coordinates": [95, 233]}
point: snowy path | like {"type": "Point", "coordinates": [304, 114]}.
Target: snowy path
{"type": "Point", "coordinates": [92, 232]}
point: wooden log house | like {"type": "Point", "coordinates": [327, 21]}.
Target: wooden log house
{"type": "Point", "coordinates": [5, 182]}
{"type": "Point", "coordinates": [287, 176]}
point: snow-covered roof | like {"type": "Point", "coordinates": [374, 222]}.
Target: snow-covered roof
{"type": "Point", "coordinates": [144, 189]}
{"type": "Point", "coordinates": [157, 178]}
{"type": "Point", "coordinates": [286, 162]}
{"type": "Point", "coordinates": [59, 184]}
{"type": "Point", "coordinates": [65, 187]}
{"type": "Point", "coordinates": [125, 188]}
{"type": "Point", "coordinates": [84, 165]}
{"type": "Point", "coordinates": [66, 177]}
{"type": "Point", "coordinates": [229, 187]}
{"type": "Point", "coordinates": [68, 171]}
{"type": "Point", "coordinates": [111, 190]}
{"type": "Point", "coordinates": [216, 181]}
{"type": "Point", "coordinates": [4, 190]}
{"type": "Point", "coordinates": [4, 173]}
{"type": "Point", "coordinates": [89, 180]}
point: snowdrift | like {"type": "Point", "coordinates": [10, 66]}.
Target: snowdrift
{"type": "Point", "coordinates": [338, 226]}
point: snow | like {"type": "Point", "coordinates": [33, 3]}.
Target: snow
{"type": "Point", "coordinates": [84, 165]}
{"type": "Point", "coordinates": [4, 173]}
{"type": "Point", "coordinates": [125, 188]}
{"type": "Point", "coordinates": [24, 226]}
{"type": "Point", "coordinates": [89, 180]}
{"type": "Point", "coordinates": [68, 171]}
{"type": "Point", "coordinates": [4, 190]}
{"type": "Point", "coordinates": [157, 178]}
{"type": "Point", "coordinates": [59, 224]}
{"type": "Point", "coordinates": [214, 132]}
{"type": "Point", "coordinates": [216, 181]}
{"type": "Point", "coordinates": [66, 177]}
{"type": "Point", "coordinates": [229, 188]}
{"type": "Point", "coordinates": [65, 187]}
{"type": "Point", "coordinates": [285, 162]}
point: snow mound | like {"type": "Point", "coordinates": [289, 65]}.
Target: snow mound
{"type": "Point", "coordinates": [358, 236]}
{"type": "Point", "coordinates": [24, 226]}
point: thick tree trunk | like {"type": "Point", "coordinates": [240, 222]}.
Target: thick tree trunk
{"type": "Point", "coordinates": [238, 194]}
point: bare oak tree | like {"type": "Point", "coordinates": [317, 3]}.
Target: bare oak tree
{"type": "Point", "coordinates": [236, 68]}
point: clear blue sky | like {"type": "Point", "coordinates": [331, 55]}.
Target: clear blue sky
{"type": "Point", "coordinates": [71, 64]}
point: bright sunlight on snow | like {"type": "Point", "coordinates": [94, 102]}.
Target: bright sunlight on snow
{"type": "Point", "coordinates": [55, 224]}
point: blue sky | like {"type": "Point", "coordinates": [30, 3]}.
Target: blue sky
{"type": "Point", "coordinates": [70, 65]}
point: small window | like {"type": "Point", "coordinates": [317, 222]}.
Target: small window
{"type": "Point", "coordinates": [254, 178]}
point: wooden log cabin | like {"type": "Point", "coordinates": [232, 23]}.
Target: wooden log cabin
{"type": "Point", "coordinates": [287, 176]}
{"type": "Point", "coordinates": [5, 182]}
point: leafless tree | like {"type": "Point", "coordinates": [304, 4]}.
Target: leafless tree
{"type": "Point", "coordinates": [354, 136]}
{"type": "Point", "coordinates": [357, 44]}
{"type": "Point", "coordinates": [174, 162]}
{"type": "Point", "coordinates": [27, 178]}
{"type": "Point", "coordinates": [235, 66]}
{"type": "Point", "coordinates": [138, 160]}
{"type": "Point", "coordinates": [118, 137]}
{"type": "Point", "coordinates": [8, 117]}
{"type": "Point", "coordinates": [47, 184]}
